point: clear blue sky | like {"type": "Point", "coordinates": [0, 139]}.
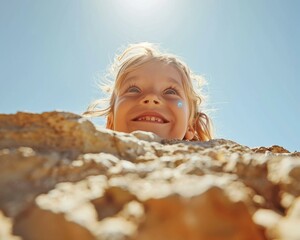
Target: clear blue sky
{"type": "Point", "coordinates": [52, 52]}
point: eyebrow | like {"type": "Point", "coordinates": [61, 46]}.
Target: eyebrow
{"type": "Point", "coordinates": [174, 81]}
{"type": "Point", "coordinates": [134, 78]}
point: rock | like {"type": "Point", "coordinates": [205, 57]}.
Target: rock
{"type": "Point", "coordinates": [267, 220]}
{"type": "Point", "coordinates": [6, 228]}
{"type": "Point", "coordinates": [63, 178]}
{"type": "Point", "coordinates": [211, 215]}
{"type": "Point", "coordinates": [146, 136]}
{"type": "Point", "coordinates": [272, 149]}
{"type": "Point", "coordinates": [288, 227]}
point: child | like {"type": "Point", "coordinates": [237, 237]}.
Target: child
{"type": "Point", "coordinates": [153, 92]}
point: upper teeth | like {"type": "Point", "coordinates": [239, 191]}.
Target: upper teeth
{"type": "Point", "coordinates": [153, 119]}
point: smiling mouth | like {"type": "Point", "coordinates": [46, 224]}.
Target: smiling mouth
{"type": "Point", "coordinates": [150, 119]}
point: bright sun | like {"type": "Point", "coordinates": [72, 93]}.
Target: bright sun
{"type": "Point", "coordinates": [140, 7]}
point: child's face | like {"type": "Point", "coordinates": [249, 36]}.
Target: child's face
{"type": "Point", "coordinates": [152, 99]}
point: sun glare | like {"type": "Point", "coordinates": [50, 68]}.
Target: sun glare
{"type": "Point", "coordinates": [133, 19]}
{"type": "Point", "coordinates": [143, 5]}
{"type": "Point", "coordinates": [141, 8]}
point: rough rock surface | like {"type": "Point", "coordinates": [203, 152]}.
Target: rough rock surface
{"type": "Point", "coordinates": [61, 178]}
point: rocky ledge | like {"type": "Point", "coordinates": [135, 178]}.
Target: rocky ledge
{"type": "Point", "coordinates": [62, 178]}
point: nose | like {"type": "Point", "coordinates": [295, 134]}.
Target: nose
{"type": "Point", "coordinates": [150, 99]}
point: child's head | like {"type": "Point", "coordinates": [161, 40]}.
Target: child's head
{"type": "Point", "coordinates": [153, 91]}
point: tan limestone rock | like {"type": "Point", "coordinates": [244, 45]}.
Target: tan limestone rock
{"type": "Point", "coordinates": [6, 225]}
{"type": "Point", "coordinates": [288, 227]}
{"type": "Point", "coordinates": [62, 178]}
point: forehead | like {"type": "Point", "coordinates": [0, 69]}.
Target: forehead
{"type": "Point", "coordinates": [156, 69]}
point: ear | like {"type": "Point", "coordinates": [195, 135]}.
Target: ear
{"type": "Point", "coordinates": [110, 121]}
{"type": "Point", "coordinates": [190, 132]}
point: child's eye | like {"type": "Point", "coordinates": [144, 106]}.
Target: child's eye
{"type": "Point", "coordinates": [133, 89]}
{"type": "Point", "coordinates": [171, 90]}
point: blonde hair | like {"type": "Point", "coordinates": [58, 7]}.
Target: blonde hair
{"type": "Point", "coordinates": [136, 55]}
